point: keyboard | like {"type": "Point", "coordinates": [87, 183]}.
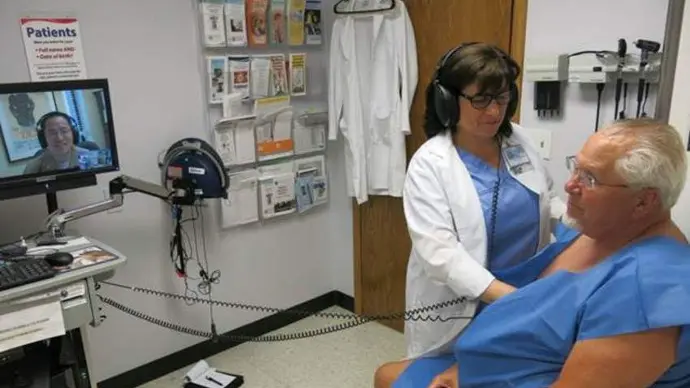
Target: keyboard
{"type": "Point", "coordinates": [18, 273]}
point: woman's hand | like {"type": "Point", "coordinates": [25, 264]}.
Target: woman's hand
{"type": "Point", "coordinates": [496, 290]}
{"type": "Point", "coordinates": [447, 379]}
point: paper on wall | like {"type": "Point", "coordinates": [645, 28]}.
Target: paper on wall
{"type": "Point", "coordinates": [312, 22]}
{"type": "Point", "coordinates": [317, 163]}
{"type": "Point", "coordinates": [256, 25]}
{"type": "Point", "coordinates": [238, 74]}
{"type": "Point", "coordinates": [235, 105]}
{"type": "Point", "coordinates": [296, 22]}
{"type": "Point", "coordinates": [213, 23]}
{"type": "Point", "coordinates": [217, 78]}
{"type": "Point", "coordinates": [234, 141]}
{"type": "Point", "coordinates": [298, 74]}
{"type": "Point", "coordinates": [311, 182]}
{"type": "Point", "coordinates": [260, 76]}
{"type": "Point", "coordinates": [241, 207]}
{"type": "Point", "coordinates": [310, 138]}
{"type": "Point", "coordinates": [54, 56]}
{"type": "Point", "coordinates": [277, 189]}
{"type": "Point", "coordinates": [273, 128]}
{"type": "Point", "coordinates": [276, 22]}
{"type": "Point", "coordinates": [235, 26]}
{"type": "Point", "coordinates": [279, 84]}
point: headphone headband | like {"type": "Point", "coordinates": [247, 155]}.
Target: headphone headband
{"type": "Point", "coordinates": [446, 103]}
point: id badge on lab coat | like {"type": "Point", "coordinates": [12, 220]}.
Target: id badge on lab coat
{"type": "Point", "coordinates": [517, 159]}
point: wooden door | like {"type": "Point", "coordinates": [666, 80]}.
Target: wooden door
{"type": "Point", "coordinates": [381, 240]}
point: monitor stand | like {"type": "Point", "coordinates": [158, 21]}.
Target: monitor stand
{"type": "Point", "coordinates": [48, 238]}
{"type": "Point", "coordinates": [51, 201]}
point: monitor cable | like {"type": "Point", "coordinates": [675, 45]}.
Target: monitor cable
{"type": "Point", "coordinates": [600, 92]}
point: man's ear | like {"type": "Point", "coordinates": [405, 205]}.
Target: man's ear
{"type": "Point", "coordinates": [648, 201]}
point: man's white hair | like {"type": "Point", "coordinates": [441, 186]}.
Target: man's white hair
{"type": "Point", "coordinates": [655, 158]}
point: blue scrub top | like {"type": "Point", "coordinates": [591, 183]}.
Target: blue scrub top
{"type": "Point", "coordinates": [523, 339]}
{"type": "Point", "coordinates": [516, 235]}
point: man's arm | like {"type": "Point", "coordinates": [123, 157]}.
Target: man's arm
{"type": "Point", "coordinates": [629, 360]}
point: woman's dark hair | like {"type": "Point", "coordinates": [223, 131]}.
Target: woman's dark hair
{"type": "Point", "coordinates": [489, 67]}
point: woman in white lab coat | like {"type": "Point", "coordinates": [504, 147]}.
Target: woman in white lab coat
{"type": "Point", "coordinates": [477, 198]}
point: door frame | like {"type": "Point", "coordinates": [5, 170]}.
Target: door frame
{"type": "Point", "coordinates": [518, 31]}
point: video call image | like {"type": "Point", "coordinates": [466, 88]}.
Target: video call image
{"type": "Point", "coordinates": [51, 131]}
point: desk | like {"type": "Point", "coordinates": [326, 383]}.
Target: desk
{"type": "Point", "coordinates": [80, 304]}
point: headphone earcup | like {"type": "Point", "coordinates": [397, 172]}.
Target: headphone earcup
{"type": "Point", "coordinates": [75, 136]}
{"type": "Point", "coordinates": [41, 139]}
{"type": "Point", "coordinates": [445, 104]}
{"type": "Point", "coordinates": [513, 104]}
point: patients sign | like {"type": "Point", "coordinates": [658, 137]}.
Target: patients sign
{"type": "Point", "coordinates": [53, 48]}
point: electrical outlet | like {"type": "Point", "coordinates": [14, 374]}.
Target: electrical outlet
{"type": "Point", "coordinates": [541, 138]}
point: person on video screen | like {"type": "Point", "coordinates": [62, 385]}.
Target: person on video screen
{"type": "Point", "coordinates": [58, 135]}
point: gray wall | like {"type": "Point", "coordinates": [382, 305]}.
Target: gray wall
{"type": "Point", "coordinates": [150, 53]}
{"type": "Point", "coordinates": [589, 25]}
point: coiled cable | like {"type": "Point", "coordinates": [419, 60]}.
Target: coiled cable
{"type": "Point", "coordinates": [232, 337]}
{"type": "Point", "coordinates": [354, 320]}
{"type": "Point", "coordinates": [410, 315]}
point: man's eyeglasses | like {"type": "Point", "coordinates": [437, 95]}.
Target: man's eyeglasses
{"type": "Point", "coordinates": [584, 178]}
{"type": "Point", "coordinates": [481, 101]}
{"type": "Point", "coordinates": [54, 132]}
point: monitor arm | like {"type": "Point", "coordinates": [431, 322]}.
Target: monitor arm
{"type": "Point", "coordinates": [118, 187]}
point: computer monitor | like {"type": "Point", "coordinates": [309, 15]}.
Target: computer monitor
{"type": "Point", "coordinates": [55, 136]}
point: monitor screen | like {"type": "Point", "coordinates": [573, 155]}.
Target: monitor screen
{"type": "Point", "coordinates": [51, 130]}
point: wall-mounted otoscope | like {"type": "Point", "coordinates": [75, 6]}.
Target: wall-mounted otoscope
{"type": "Point", "coordinates": [646, 47]}
{"type": "Point", "coordinates": [622, 51]}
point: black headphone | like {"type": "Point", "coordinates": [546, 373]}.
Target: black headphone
{"type": "Point", "coordinates": [40, 127]}
{"type": "Point", "coordinates": [446, 102]}
{"type": "Point", "coordinates": [192, 144]}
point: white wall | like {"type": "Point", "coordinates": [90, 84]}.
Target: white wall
{"type": "Point", "coordinates": [568, 26]}
{"type": "Point", "coordinates": [679, 116]}
{"type": "Point", "coordinates": [150, 53]}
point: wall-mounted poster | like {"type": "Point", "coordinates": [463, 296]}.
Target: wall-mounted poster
{"type": "Point", "coordinates": [18, 116]}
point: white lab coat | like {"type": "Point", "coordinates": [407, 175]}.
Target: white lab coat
{"type": "Point", "coordinates": [448, 233]}
{"type": "Point", "coordinates": [372, 80]}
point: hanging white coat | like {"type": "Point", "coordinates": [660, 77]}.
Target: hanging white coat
{"type": "Point", "coordinates": [448, 233]}
{"type": "Point", "coordinates": [372, 80]}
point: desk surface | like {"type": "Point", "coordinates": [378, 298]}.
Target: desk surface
{"type": "Point", "coordinates": [99, 271]}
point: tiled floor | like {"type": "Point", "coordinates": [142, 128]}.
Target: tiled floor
{"type": "Point", "coordinates": [343, 359]}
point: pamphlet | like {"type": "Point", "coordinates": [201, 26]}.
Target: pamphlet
{"type": "Point", "coordinates": [241, 206]}
{"type": "Point", "coordinates": [312, 22]}
{"type": "Point", "coordinates": [235, 31]}
{"type": "Point", "coordinates": [256, 22]}
{"type": "Point", "coordinates": [276, 22]}
{"type": "Point", "coordinates": [217, 79]}
{"type": "Point", "coordinates": [238, 75]}
{"type": "Point", "coordinates": [277, 189]}
{"type": "Point", "coordinates": [298, 74]}
{"type": "Point", "coordinates": [296, 22]}
{"type": "Point", "coordinates": [213, 24]}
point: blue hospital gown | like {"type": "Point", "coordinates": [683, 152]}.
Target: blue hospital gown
{"type": "Point", "coordinates": [523, 339]}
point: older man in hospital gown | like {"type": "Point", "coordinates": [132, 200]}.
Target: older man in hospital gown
{"type": "Point", "coordinates": [607, 304]}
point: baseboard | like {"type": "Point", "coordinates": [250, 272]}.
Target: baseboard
{"type": "Point", "coordinates": [205, 349]}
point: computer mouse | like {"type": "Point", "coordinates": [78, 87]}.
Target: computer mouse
{"type": "Point", "coordinates": [59, 259]}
